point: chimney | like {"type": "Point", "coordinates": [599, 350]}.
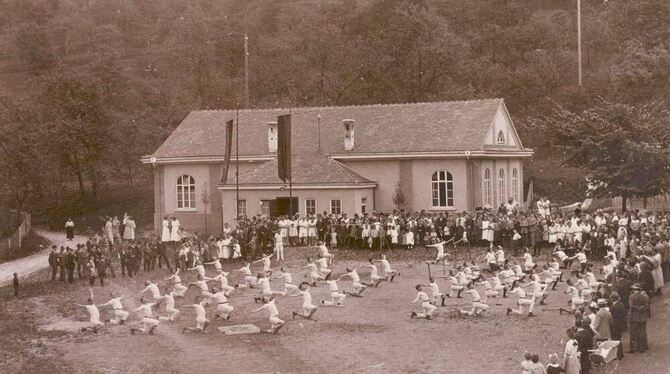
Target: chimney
{"type": "Point", "coordinates": [272, 137]}
{"type": "Point", "coordinates": [348, 134]}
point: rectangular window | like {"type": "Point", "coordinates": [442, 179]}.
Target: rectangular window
{"type": "Point", "coordinates": [265, 207]}
{"type": "Point", "coordinates": [241, 208]}
{"type": "Point", "coordinates": [310, 206]}
{"type": "Point", "coordinates": [364, 205]}
{"type": "Point", "coordinates": [335, 206]}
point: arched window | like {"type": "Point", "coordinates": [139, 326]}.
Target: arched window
{"type": "Point", "coordinates": [515, 184]}
{"type": "Point", "coordinates": [486, 184]}
{"type": "Point", "coordinates": [501, 186]}
{"type": "Point", "coordinates": [442, 189]}
{"type": "Point", "coordinates": [185, 192]}
{"type": "Point", "coordinates": [501, 137]}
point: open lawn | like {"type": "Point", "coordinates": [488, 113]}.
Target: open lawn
{"type": "Point", "coordinates": [371, 334]}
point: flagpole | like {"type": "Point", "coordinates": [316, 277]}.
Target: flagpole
{"type": "Point", "coordinates": [579, 42]}
{"type": "Point", "coordinates": [290, 182]}
{"type": "Point", "coordinates": [237, 163]}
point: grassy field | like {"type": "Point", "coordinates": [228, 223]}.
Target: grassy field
{"type": "Point", "coordinates": [372, 334]}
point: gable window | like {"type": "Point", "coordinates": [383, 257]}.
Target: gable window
{"type": "Point", "coordinates": [185, 192]}
{"type": "Point", "coordinates": [501, 137]}
{"type": "Point", "coordinates": [310, 207]}
{"type": "Point", "coordinates": [335, 206]}
{"type": "Point", "coordinates": [442, 189]}
{"type": "Point", "coordinates": [515, 184]}
{"type": "Point", "coordinates": [486, 184]}
{"type": "Point", "coordinates": [501, 186]}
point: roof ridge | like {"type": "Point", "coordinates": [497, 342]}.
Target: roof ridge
{"type": "Point", "coordinates": [353, 105]}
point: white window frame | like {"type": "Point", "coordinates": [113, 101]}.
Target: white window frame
{"type": "Point", "coordinates": [498, 137]}
{"type": "Point", "coordinates": [242, 208]}
{"type": "Point", "coordinates": [306, 208]}
{"type": "Point", "coordinates": [442, 177]}
{"type": "Point", "coordinates": [515, 184]}
{"type": "Point", "coordinates": [264, 203]}
{"type": "Point", "coordinates": [486, 187]}
{"type": "Point", "coordinates": [185, 193]}
{"type": "Point", "coordinates": [501, 186]}
{"type": "Point", "coordinates": [339, 207]}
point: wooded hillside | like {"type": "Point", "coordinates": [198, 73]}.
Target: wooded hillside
{"type": "Point", "coordinates": [88, 86]}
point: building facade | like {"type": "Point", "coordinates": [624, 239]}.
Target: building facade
{"type": "Point", "coordinates": [442, 156]}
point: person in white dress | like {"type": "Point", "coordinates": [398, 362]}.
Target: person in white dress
{"type": "Point", "coordinates": [175, 225]}
{"type": "Point", "coordinates": [129, 229]}
{"type": "Point", "coordinates": [487, 231]}
{"type": "Point", "coordinates": [165, 232]}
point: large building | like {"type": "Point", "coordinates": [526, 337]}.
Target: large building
{"type": "Point", "coordinates": [443, 156]}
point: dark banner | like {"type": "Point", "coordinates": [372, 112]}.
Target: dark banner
{"type": "Point", "coordinates": [229, 147]}
{"type": "Point", "coordinates": [284, 147]}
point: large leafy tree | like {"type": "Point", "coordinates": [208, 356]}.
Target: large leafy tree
{"type": "Point", "coordinates": [623, 149]}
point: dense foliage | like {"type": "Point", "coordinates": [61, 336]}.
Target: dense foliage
{"type": "Point", "coordinates": [88, 86]}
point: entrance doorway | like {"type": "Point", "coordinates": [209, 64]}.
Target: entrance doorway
{"type": "Point", "coordinates": [282, 205]}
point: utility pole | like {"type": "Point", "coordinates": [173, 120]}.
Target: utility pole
{"type": "Point", "coordinates": [246, 71]}
{"type": "Point", "coordinates": [579, 41]}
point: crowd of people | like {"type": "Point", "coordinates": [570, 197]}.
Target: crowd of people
{"type": "Point", "coordinates": [612, 265]}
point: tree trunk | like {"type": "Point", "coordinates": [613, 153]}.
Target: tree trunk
{"type": "Point", "coordinates": [80, 180]}
{"type": "Point", "coordinates": [644, 202]}
{"type": "Point", "coordinates": [624, 202]}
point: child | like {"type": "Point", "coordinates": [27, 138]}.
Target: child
{"type": "Point", "coordinates": [308, 308]}
{"type": "Point", "coordinates": [200, 317]}
{"type": "Point", "coordinates": [15, 283]}
{"type": "Point", "coordinates": [149, 323]}
{"type": "Point", "coordinates": [288, 280]}
{"type": "Point", "coordinates": [313, 272]}
{"type": "Point", "coordinates": [336, 298]}
{"type": "Point", "coordinates": [179, 289]}
{"type": "Point", "coordinates": [375, 279]}
{"type": "Point", "coordinates": [249, 279]}
{"type": "Point", "coordinates": [522, 301]}
{"type": "Point", "coordinates": [266, 264]}
{"type": "Point", "coordinates": [271, 307]}
{"type": "Point", "coordinates": [170, 309]}
{"type": "Point", "coordinates": [386, 268]}
{"type": "Point", "coordinates": [575, 299]}
{"type": "Point", "coordinates": [455, 285]}
{"type": "Point", "coordinates": [358, 287]}
{"type": "Point", "coordinates": [441, 255]}
{"type": "Point", "coordinates": [120, 315]}
{"type": "Point", "coordinates": [477, 305]}
{"type": "Point", "coordinates": [94, 316]}
{"type": "Point", "coordinates": [435, 290]}
{"type": "Point", "coordinates": [428, 308]}
{"type": "Point", "coordinates": [223, 308]}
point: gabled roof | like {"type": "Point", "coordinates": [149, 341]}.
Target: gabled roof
{"type": "Point", "coordinates": [306, 169]}
{"type": "Point", "coordinates": [382, 128]}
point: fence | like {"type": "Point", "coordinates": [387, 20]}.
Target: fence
{"type": "Point", "coordinates": [13, 242]}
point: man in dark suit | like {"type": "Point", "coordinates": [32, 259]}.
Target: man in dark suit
{"type": "Point", "coordinates": [70, 262]}
{"type": "Point", "coordinates": [623, 286]}
{"type": "Point", "coordinates": [619, 323]}
{"type": "Point", "coordinates": [584, 337]}
{"type": "Point", "coordinates": [639, 314]}
{"type": "Point", "coordinates": [53, 262]}
{"type": "Point", "coordinates": [646, 279]}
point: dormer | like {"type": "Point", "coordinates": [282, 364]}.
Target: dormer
{"type": "Point", "coordinates": [348, 134]}
{"type": "Point", "coordinates": [272, 137]}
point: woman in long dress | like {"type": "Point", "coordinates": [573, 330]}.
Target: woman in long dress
{"type": "Point", "coordinates": [69, 229]}
{"type": "Point", "coordinates": [165, 233]}
{"type": "Point", "coordinates": [571, 355]}
{"type": "Point", "coordinates": [129, 229]}
{"type": "Point", "coordinates": [174, 230]}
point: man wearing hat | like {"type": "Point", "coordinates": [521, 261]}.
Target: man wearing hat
{"type": "Point", "coordinates": [639, 314]}
{"type": "Point", "coordinates": [603, 321]}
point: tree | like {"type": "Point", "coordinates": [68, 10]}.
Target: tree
{"type": "Point", "coordinates": [624, 149]}
{"type": "Point", "coordinates": [398, 197]}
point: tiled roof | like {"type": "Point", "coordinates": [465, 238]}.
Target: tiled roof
{"type": "Point", "coordinates": [307, 169]}
{"type": "Point", "coordinates": [383, 128]}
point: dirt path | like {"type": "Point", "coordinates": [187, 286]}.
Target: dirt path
{"type": "Point", "coordinates": [28, 265]}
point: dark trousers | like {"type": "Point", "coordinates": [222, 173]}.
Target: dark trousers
{"type": "Point", "coordinates": [638, 336]}
{"type": "Point", "coordinates": [162, 257]}
{"type": "Point", "coordinates": [70, 274]}
{"type": "Point", "coordinates": [54, 270]}
{"type": "Point", "coordinates": [91, 280]}
{"type": "Point", "coordinates": [616, 335]}
{"type": "Point", "coordinates": [62, 274]}
{"type": "Point", "coordinates": [585, 362]}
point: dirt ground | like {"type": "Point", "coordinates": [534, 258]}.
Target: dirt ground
{"type": "Point", "coordinates": [372, 334]}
